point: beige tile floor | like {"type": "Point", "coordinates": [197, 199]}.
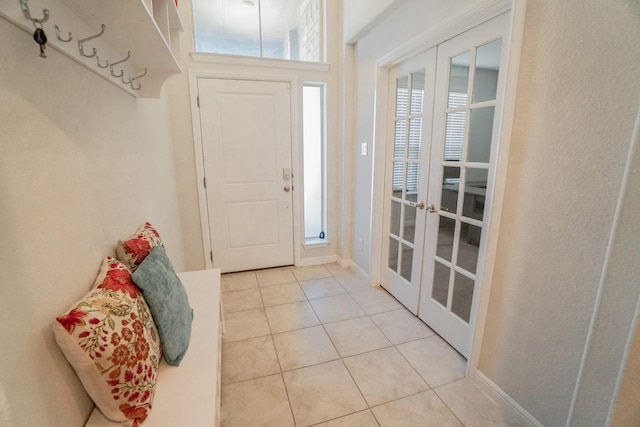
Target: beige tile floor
{"type": "Point", "coordinates": [316, 346]}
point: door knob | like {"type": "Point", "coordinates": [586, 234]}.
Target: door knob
{"type": "Point", "coordinates": [419, 205]}
{"type": "Point", "coordinates": [287, 188]}
{"type": "Point", "coordinates": [431, 208]}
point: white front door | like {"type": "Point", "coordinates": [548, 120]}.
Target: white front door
{"type": "Point", "coordinates": [444, 128]}
{"type": "Point", "coordinates": [246, 143]}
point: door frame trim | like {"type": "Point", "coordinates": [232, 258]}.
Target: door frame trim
{"type": "Point", "coordinates": [194, 75]}
{"type": "Point", "coordinates": [466, 19]}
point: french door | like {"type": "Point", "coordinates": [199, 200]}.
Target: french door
{"type": "Point", "coordinates": [412, 90]}
{"type": "Point", "coordinates": [454, 189]}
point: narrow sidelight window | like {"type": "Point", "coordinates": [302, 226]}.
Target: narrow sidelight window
{"type": "Point", "coordinates": [314, 154]}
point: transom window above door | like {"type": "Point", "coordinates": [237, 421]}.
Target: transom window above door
{"type": "Point", "coordinates": [280, 29]}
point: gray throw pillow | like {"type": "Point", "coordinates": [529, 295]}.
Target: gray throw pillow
{"type": "Point", "coordinates": [168, 302]}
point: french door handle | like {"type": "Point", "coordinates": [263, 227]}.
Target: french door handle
{"type": "Point", "coordinates": [431, 208]}
{"type": "Point", "coordinates": [419, 205]}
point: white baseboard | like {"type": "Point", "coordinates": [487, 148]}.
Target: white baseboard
{"type": "Point", "coordinates": [344, 263]}
{"type": "Point", "coordinates": [497, 394]}
{"type": "Point", "coordinates": [356, 269]}
{"type": "Point", "coordinates": [306, 262]}
{"type": "Point", "coordinates": [328, 259]}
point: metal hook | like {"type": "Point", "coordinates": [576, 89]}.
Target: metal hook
{"type": "Point", "coordinates": [24, 4]}
{"type": "Point", "coordinates": [81, 42]}
{"type": "Point", "coordinates": [60, 38]}
{"type": "Point", "coordinates": [136, 78]}
{"type": "Point", "coordinates": [106, 63]}
{"type": "Point", "coordinates": [119, 62]}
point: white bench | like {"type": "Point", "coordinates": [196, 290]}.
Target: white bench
{"type": "Point", "coordinates": [190, 393]}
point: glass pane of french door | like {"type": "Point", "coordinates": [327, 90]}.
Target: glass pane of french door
{"type": "Point", "coordinates": [464, 168]}
{"type": "Point", "coordinates": [410, 97]}
{"type": "Point", "coordinates": [407, 148]}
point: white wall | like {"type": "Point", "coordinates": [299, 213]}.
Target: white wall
{"type": "Point", "coordinates": [182, 133]}
{"type": "Point", "coordinates": [360, 16]}
{"type": "Point", "coordinates": [576, 105]}
{"type": "Point", "coordinates": [405, 21]}
{"type": "Point", "coordinates": [614, 327]}
{"type": "Point", "coordinates": [82, 164]}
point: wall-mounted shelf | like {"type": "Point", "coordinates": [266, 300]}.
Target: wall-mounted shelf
{"type": "Point", "coordinates": [149, 29]}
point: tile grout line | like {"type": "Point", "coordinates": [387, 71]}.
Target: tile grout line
{"type": "Point", "coordinates": [368, 316]}
{"type": "Point", "coordinates": [345, 367]}
{"type": "Point", "coordinates": [445, 403]}
{"type": "Point", "coordinates": [430, 388]}
{"type": "Point", "coordinates": [340, 357]}
{"type": "Point", "coordinates": [275, 350]}
{"type": "Point", "coordinates": [310, 305]}
{"type": "Point", "coordinates": [394, 345]}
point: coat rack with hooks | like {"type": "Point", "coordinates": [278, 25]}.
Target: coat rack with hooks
{"type": "Point", "coordinates": [131, 43]}
{"type": "Point", "coordinates": [24, 5]}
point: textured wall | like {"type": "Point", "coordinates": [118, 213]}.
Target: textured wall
{"type": "Point", "coordinates": [613, 321]}
{"type": "Point", "coordinates": [360, 16]}
{"type": "Point", "coordinates": [406, 20]}
{"type": "Point", "coordinates": [82, 164]}
{"type": "Point", "coordinates": [576, 105]}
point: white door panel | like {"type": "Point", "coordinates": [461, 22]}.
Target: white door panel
{"type": "Point", "coordinates": [245, 230]}
{"type": "Point", "coordinates": [463, 158]}
{"type": "Point", "coordinates": [246, 136]}
{"type": "Point", "coordinates": [411, 87]}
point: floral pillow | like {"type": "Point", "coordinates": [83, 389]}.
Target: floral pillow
{"type": "Point", "coordinates": [131, 252]}
{"type": "Point", "coordinates": [112, 343]}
